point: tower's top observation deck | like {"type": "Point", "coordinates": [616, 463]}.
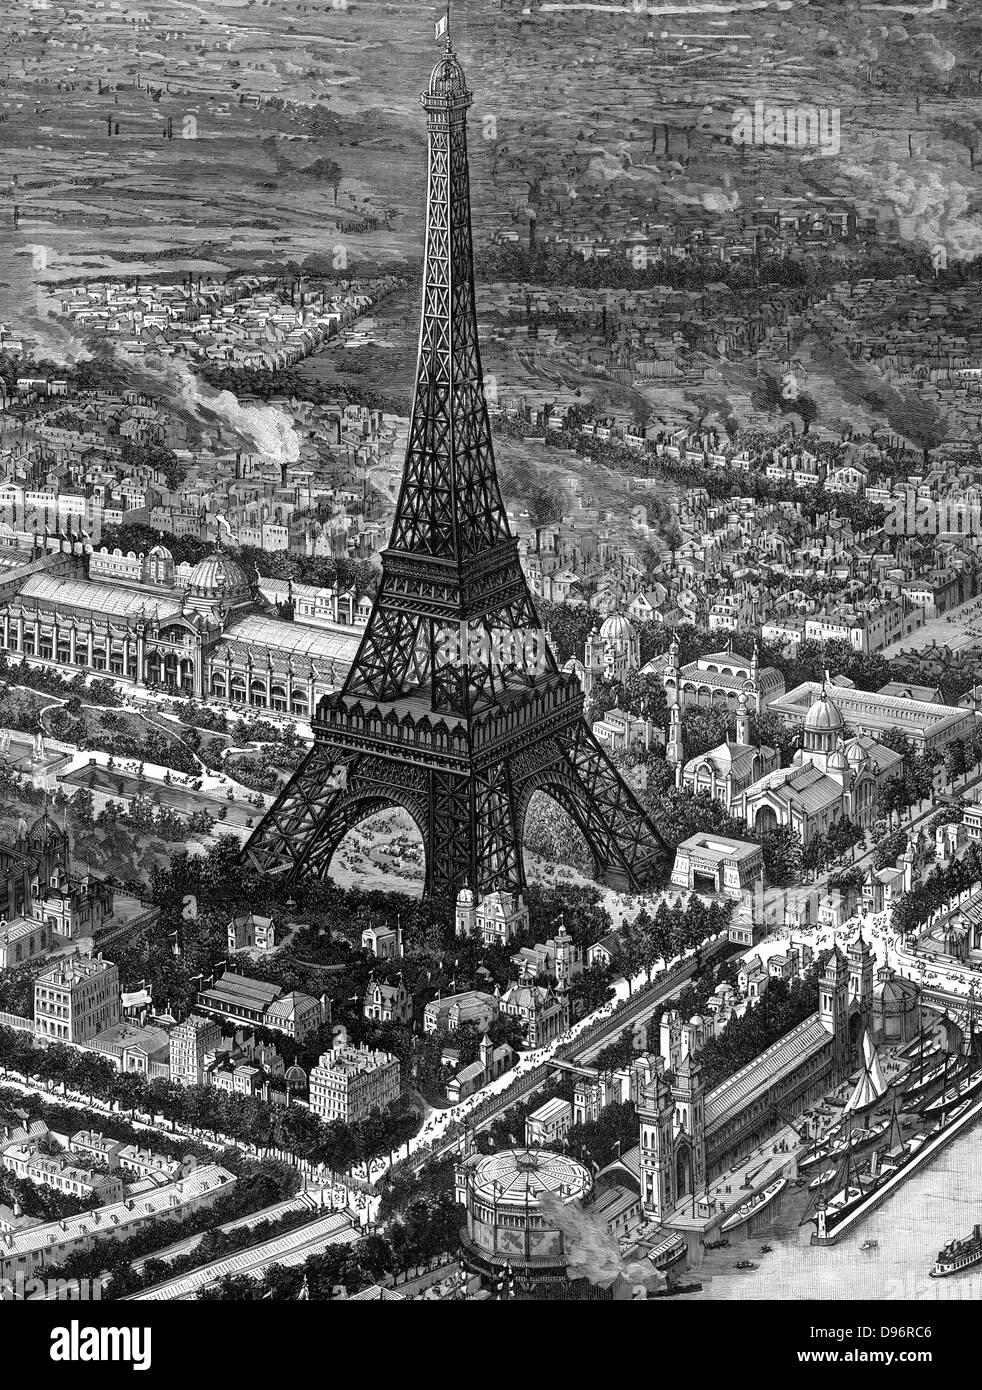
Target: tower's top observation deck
{"type": "Point", "coordinates": [448, 85]}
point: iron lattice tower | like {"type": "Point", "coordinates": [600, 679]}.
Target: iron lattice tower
{"type": "Point", "coordinates": [454, 708]}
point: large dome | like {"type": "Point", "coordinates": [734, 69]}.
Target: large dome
{"type": "Point", "coordinates": [617, 628]}
{"type": "Point", "coordinates": [824, 716]}
{"type": "Point", "coordinates": [895, 991]}
{"type": "Point", "coordinates": [218, 575]}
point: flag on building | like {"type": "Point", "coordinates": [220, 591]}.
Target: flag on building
{"type": "Point", "coordinates": [443, 26]}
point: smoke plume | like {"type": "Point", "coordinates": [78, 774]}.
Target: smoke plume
{"type": "Point", "coordinates": [593, 1252]}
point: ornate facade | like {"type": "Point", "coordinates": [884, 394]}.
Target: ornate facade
{"type": "Point", "coordinates": [831, 777]}
{"type": "Point", "coordinates": [717, 679]}
{"type": "Point", "coordinates": [206, 635]}
{"type": "Point", "coordinates": [611, 652]}
{"type": "Point", "coordinates": [688, 1135]}
{"type": "Point", "coordinates": [41, 898]}
{"type": "Point", "coordinates": [725, 772]}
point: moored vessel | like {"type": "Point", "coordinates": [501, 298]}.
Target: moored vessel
{"type": "Point", "coordinates": [756, 1205]}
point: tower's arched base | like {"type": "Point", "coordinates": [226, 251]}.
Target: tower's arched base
{"type": "Point", "coordinates": [470, 810]}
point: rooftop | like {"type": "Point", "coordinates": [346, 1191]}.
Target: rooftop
{"type": "Point", "coordinates": [98, 598]}
{"type": "Point", "coordinates": [519, 1177]}
{"type": "Point", "coordinates": [782, 1057]}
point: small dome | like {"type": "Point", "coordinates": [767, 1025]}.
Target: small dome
{"type": "Point", "coordinates": [697, 1021]}
{"type": "Point", "coordinates": [617, 628]}
{"type": "Point", "coordinates": [856, 754]}
{"type": "Point", "coordinates": [447, 78]}
{"type": "Point", "coordinates": [160, 552]}
{"type": "Point", "coordinates": [218, 574]}
{"type": "Point", "coordinates": [838, 762]}
{"type": "Point", "coordinates": [895, 990]}
{"type": "Point", "coordinates": [466, 895]}
{"type": "Point", "coordinates": [824, 715]}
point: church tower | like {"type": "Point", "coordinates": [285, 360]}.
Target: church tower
{"type": "Point", "coordinates": [833, 1001]}
{"type": "Point", "coordinates": [675, 751]}
{"type": "Point", "coordinates": [862, 964]}
{"type": "Point", "coordinates": [673, 674]}
{"type": "Point", "coordinates": [653, 1101]}
{"type": "Point", "coordinates": [743, 720]}
{"type": "Point", "coordinates": [687, 1097]}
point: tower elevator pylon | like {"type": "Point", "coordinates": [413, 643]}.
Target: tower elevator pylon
{"type": "Point", "coordinates": [454, 707]}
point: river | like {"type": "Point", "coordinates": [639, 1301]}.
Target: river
{"type": "Point", "coordinates": [939, 1202]}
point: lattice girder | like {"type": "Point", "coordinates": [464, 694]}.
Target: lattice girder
{"type": "Point", "coordinates": [454, 707]}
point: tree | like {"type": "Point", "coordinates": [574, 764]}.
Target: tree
{"type": "Point", "coordinates": [955, 760]}
{"type": "Point", "coordinates": [629, 954]}
{"type": "Point", "coordinates": [650, 946]}
{"type": "Point", "coordinates": [782, 855]}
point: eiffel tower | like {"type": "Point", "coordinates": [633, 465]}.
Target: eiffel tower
{"type": "Point", "coordinates": [454, 708]}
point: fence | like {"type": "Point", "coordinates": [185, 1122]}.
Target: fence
{"type": "Point", "coordinates": [22, 1025]}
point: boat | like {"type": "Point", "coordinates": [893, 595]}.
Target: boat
{"type": "Point", "coordinates": [669, 1252]}
{"type": "Point", "coordinates": [958, 1255]}
{"type": "Point", "coordinates": [822, 1179]}
{"type": "Point", "coordinates": [766, 1249]}
{"type": "Point", "coordinates": [958, 1111]}
{"type": "Point", "coordinates": [674, 1289]}
{"type": "Point", "coordinates": [716, 1245]}
{"type": "Point", "coordinates": [914, 1094]}
{"type": "Point", "coordinates": [844, 1201]}
{"type": "Point", "coordinates": [871, 1084]}
{"type": "Point", "coordinates": [953, 1094]}
{"type": "Point", "coordinates": [870, 1245]}
{"type": "Point", "coordinates": [857, 1138]}
{"type": "Point", "coordinates": [817, 1156]}
{"type": "Point", "coordinates": [744, 1264]}
{"type": "Point", "coordinates": [756, 1205]}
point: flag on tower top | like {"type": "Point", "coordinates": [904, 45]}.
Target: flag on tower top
{"type": "Point", "coordinates": [443, 26]}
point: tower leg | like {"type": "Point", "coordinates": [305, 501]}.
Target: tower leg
{"type": "Point", "coordinates": [625, 846]}
{"type": "Point", "coordinates": [330, 793]}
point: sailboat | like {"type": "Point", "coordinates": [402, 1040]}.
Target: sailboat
{"type": "Point", "coordinates": [848, 1188]}
{"type": "Point", "coordinates": [871, 1084]}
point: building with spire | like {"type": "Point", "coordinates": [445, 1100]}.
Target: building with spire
{"type": "Point", "coordinates": [42, 902]}
{"type": "Point", "coordinates": [717, 679]}
{"type": "Point", "coordinates": [834, 775]}
{"type": "Point", "coordinates": [725, 772]}
{"type": "Point", "coordinates": [688, 1136]}
{"type": "Point", "coordinates": [611, 652]}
